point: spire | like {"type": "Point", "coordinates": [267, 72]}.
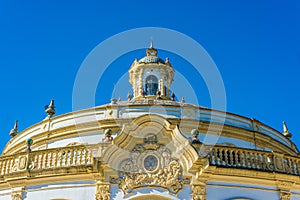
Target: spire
{"type": "Point", "coordinates": [286, 132]}
{"type": "Point", "coordinates": [13, 132]}
{"type": "Point", "coordinates": [151, 45]}
{"type": "Point", "coordinates": [50, 109]}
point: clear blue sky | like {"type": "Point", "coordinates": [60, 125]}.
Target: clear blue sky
{"type": "Point", "coordinates": [255, 45]}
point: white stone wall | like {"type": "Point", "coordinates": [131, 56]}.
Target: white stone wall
{"type": "Point", "coordinates": [70, 191]}
{"type": "Point", "coordinates": [228, 192]}
{"type": "Point", "coordinates": [5, 194]}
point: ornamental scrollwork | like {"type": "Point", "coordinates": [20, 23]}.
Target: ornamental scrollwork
{"type": "Point", "coordinates": [22, 163]}
{"type": "Point", "coordinates": [150, 164]}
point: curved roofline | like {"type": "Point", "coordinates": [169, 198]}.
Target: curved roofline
{"type": "Point", "coordinates": [141, 103]}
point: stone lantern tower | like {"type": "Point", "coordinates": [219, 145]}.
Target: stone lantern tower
{"type": "Point", "coordinates": [151, 77]}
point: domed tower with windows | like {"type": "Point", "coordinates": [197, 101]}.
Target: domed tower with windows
{"type": "Point", "coordinates": [149, 147]}
{"type": "Point", "coordinates": [151, 77]}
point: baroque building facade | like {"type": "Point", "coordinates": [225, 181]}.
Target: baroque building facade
{"type": "Point", "coordinates": [149, 147]}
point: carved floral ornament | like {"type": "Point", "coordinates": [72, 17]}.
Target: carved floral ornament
{"type": "Point", "coordinates": [103, 192]}
{"type": "Point", "coordinates": [150, 164]}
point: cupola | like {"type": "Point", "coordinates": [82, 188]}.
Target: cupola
{"type": "Point", "coordinates": [151, 77]}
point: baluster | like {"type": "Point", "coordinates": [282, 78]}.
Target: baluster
{"type": "Point", "coordinates": [80, 157]}
{"type": "Point", "coordinates": [60, 158]}
{"type": "Point", "coordinates": [298, 166]}
{"type": "Point", "coordinates": [256, 160]}
{"type": "Point", "coordinates": [90, 157]}
{"type": "Point", "coordinates": [297, 169]}
{"type": "Point", "coordinates": [50, 159]}
{"type": "Point", "coordinates": [12, 162]}
{"type": "Point", "coordinates": [55, 159]}
{"type": "Point", "coordinates": [87, 160]}
{"type": "Point", "coordinates": [230, 157]}
{"type": "Point", "coordinates": [247, 157]}
{"type": "Point", "coordinates": [236, 158]}
{"type": "Point", "coordinates": [243, 159]}
{"type": "Point", "coordinates": [65, 158]}
{"type": "Point", "coordinates": [1, 167]}
{"type": "Point", "coordinates": [294, 161]}
{"type": "Point", "coordinates": [288, 166]}
{"type": "Point", "coordinates": [74, 154]}
{"type": "Point", "coordinates": [85, 157]}
{"type": "Point", "coordinates": [259, 161]}
{"type": "Point", "coordinates": [6, 166]}
{"type": "Point", "coordinates": [220, 156]}
{"type": "Point", "coordinates": [40, 157]}
{"type": "Point", "coordinates": [68, 157]}
{"type": "Point", "coordinates": [44, 160]}
{"type": "Point", "coordinates": [216, 154]}
{"type": "Point", "coordinates": [213, 154]}
{"type": "Point", "coordinates": [252, 160]}
{"type": "Point", "coordinates": [71, 157]}
{"type": "Point", "coordinates": [226, 154]}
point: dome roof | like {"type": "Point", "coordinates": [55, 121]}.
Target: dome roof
{"type": "Point", "coordinates": [151, 59]}
{"type": "Point", "coordinates": [151, 56]}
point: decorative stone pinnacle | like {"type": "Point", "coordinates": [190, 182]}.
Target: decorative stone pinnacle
{"type": "Point", "coordinates": [113, 101]}
{"type": "Point", "coordinates": [13, 132]}
{"type": "Point", "coordinates": [129, 96]}
{"type": "Point", "coordinates": [50, 109]}
{"type": "Point", "coordinates": [173, 96]}
{"type": "Point", "coordinates": [286, 132]}
{"type": "Point", "coordinates": [182, 100]}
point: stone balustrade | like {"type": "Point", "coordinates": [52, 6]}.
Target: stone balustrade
{"type": "Point", "coordinates": [254, 159]}
{"type": "Point", "coordinates": [81, 156]}
{"type": "Point", "coordinates": [74, 156]}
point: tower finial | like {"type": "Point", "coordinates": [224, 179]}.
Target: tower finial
{"type": "Point", "coordinates": [13, 132]}
{"type": "Point", "coordinates": [286, 132]}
